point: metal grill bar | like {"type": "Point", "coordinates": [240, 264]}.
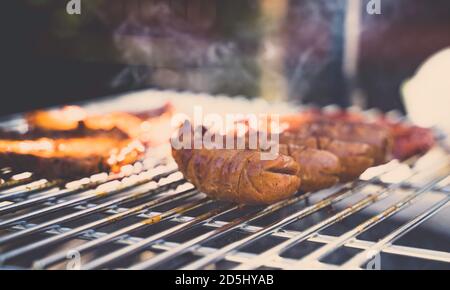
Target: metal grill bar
{"type": "Point", "coordinates": [146, 242]}
{"type": "Point", "coordinates": [30, 188]}
{"type": "Point", "coordinates": [231, 225]}
{"type": "Point", "coordinates": [348, 191]}
{"type": "Point", "coordinates": [243, 257]}
{"type": "Point", "coordinates": [275, 251]}
{"type": "Point", "coordinates": [87, 196]}
{"type": "Point", "coordinates": [322, 252]}
{"type": "Point", "coordinates": [4, 257]}
{"type": "Point", "coordinates": [145, 186]}
{"type": "Point", "coordinates": [90, 183]}
{"type": "Point", "coordinates": [216, 233]}
{"type": "Point", "coordinates": [13, 183]}
{"type": "Point", "coordinates": [378, 247]}
{"type": "Point", "coordinates": [41, 264]}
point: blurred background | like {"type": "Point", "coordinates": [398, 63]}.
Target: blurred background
{"type": "Point", "coordinates": [311, 51]}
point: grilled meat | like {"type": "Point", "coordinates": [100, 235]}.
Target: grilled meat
{"type": "Point", "coordinates": [214, 172]}
{"type": "Point", "coordinates": [80, 132]}
{"type": "Point", "coordinates": [69, 143]}
{"type": "Point", "coordinates": [377, 137]}
{"type": "Point", "coordinates": [150, 127]}
{"type": "Point", "coordinates": [71, 157]}
{"type": "Point", "coordinates": [357, 145]}
{"type": "Point", "coordinates": [318, 168]}
{"type": "Point", "coordinates": [354, 157]}
{"type": "Point", "coordinates": [408, 140]}
{"type": "Point", "coordinates": [65, 119]}
{"type": "Point", "coordinates": [239, 175]}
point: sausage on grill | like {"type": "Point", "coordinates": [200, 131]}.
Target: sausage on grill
{"type": "Point", "coordinates": [239, 175]}
{"type": "Point", "coordinates": [354, 157]}
{"type": "Point", "coordinates": [378, 137]}
{"type": "Point", "coordinates": [318, 168]}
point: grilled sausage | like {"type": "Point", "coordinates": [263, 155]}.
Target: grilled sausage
{"type": "Point", "coordinates": [354, 157]}
{"type": "Point", "coordinates": [262, 181]}
{"type": "Point", "coordinates": [318, 168]}
{"type": "Point", "coordinates": [373, 135]}
{"type": "Point", "coordinates": [239, 175]}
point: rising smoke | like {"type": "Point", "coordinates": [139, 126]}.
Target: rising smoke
{"type": "Point", "coordinates": [168, 49]}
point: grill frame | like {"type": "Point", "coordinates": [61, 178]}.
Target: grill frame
{"type": "Point", "coordinates": [157, 183]}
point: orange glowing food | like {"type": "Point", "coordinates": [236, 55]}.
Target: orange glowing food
{"type": "Point", "coordinates": [151, 127]}
{"type": "Point", "coordinates": [71, 157]}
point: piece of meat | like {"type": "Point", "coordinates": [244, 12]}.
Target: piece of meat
{"type": "Point", "coordinates": [354, 157]}
{"type": "Point", "coordinates": [411, 141]}
{"type": "Point", "coordinates": [209, 170]}
{"type": "Point", "coordinates": [408, 140]}
{"type": "Point", "coordinates": [151, 127]}
{"type": "Point", "coordinates": [379, 138]}
{"type": "Point", "coordinates": [69, 143]}
{"type": "Point", "coordinates": [319, 169]}
{"type": "Point", "coordinates": [64, 119]}
{"type": "Point", "coordinates": [348, 159]}
{"type": "Point", "coordinates": [69, 158]}
{"type": "Point", "coordinates": [80, 132]}
{"type": "Point", "coordinates": [239, 175]}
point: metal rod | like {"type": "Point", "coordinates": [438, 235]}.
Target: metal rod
{"type": "Point", "coordinates": [79, 230]}
{"type": "Point", "coordinates": [390, 211]}
{"type": "Point", "coordinates": [29, 202]}
{"type": "Point", "coordinates": [268, 230]}
{"type": "Point", "coordinates": [237, 224]}
{"type": "Point", "coordinates": [86, 196]}
{"type": "Point", "coordinates": [29, 189]}
{"type": "Point", "coordinates": [328, 222]}
{"type": "Point", "coordinates": [57, 257]}
{"type": "Point", "coordinates": [79, 214]}
{"type": "Point", "coordinates": [127, 251]}
{"type": "Point", "coordinates": [67, 191]}
{"type": "Point", "coordinates": [13, 182]}
{"type": "Point", "coordinates": [360, 258]}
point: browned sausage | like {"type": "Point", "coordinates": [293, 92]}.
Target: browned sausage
{"type": "Point", "coordinates": [373, 135]}
{"type": "Point", "coordinates": [239, 175]}
{"type": "Point", "coordinates": [354, 157]}
{"type": "Point", "coordinates": [318, 168]}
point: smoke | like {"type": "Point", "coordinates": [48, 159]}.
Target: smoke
{"type": "Point", "coordinates": [168, 49]}
{"type": "Point", "coordinates": [164, 49]}
{"type": "Point", "coordinates": [314, 40]}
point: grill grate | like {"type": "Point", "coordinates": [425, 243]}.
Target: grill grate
{"type": "Point", "coordinates": [149, 217]}
{"type": "Point", "coordinates": [152, 218]}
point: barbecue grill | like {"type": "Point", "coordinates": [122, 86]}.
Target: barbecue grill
{"type": "Point", "coordinates": [148, 217]}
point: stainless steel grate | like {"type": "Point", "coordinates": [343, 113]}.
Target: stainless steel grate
{"type": "Point", "coordinates": [149, 217]}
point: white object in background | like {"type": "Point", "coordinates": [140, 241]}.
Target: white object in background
{"type": "Point", "coordinates": [427, 94]}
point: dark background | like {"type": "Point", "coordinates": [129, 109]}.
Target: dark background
{"type": "Point", "coordinates": [53, 58]}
